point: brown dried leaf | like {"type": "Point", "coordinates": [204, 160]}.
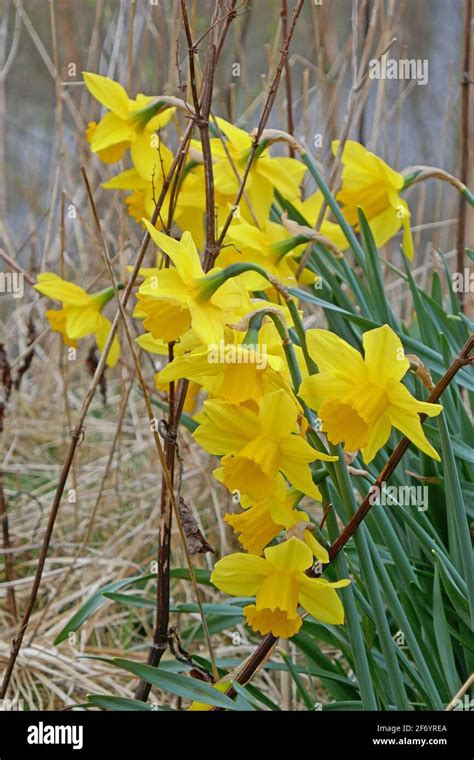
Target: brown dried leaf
{"type": "Point", "coordinates": [197, 543]}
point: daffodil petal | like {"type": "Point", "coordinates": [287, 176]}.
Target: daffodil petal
{"type": "Point", "coordinates": [321, 601]}
{"type": "Point", "coordinates": [111, 94]}
{"type": "Point", "coordinates": [240, 574]}
{"type": "Point", "coordinates": [290, 556]}
{"type": "Point", "coordinates": [57, 289]}
{"type": "Point", "coordinates": [333, 354]}
{"type": "Point", "coordinates": [384, 355]}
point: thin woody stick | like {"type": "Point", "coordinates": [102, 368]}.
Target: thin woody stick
{"type": "Point", "coordinates": [162, 635]}
{"type": "Point", "coordinates": [465, 84]}
{"type": "Point", "coordinates": [202, 108]}
{"type": "Point", "coordinates": [261, 126]}
{"type": "Point", "coordinates": [289, 94]}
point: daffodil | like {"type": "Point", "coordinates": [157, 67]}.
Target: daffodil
{"type": "Point", "coordinates": [261, 522]}
{"type": "Point", "coordinates": [176, 299]}
{"type": "Point", "coordinates": [266, 172]}
{"type": "Point", "coordinates": [81, 313]}
{"type": "Point", "coordinates": [259, 445]}
{"type": "Point", "coordinates": [128, 123]}
{"type": "Point", "coordinates": [270, 248]}
{"type": "Point", "coordinates": [370, 184]}
{"type": "Point", "coordinates": [359, 399]}
{"type": "Point", "coordinates": [279, 583]}
{"type": "Point", "coordinates": [233, 371]}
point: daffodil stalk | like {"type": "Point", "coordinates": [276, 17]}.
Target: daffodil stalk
{"type": "Point", "coordinates": [415, 174]}
{"type": "Point", "coordinates": [251, 338]}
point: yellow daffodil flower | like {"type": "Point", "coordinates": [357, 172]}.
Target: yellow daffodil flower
{"type": "Point", "coordinates": [81, 313]}
{"type": "Point", "coordinates": [258, 445]}
{"type": "Point", "coordinates": [176, 299]}
{"type": "Point", "coordinates": [127, 124]}
{"type": "Point", "coordinates": [266, 173]}
{"type": "Point", "coordinates": [266, 247]}
{"type": "Point", "coordinates": [359, 399]}
{"type": "Point", "coordinates": [279, 584]}
{"type": "Point", "coordinates": [370, 184]}
{"type": "Point", "coordinates": [234, 372]}
{"type": "Point", "coordinates": [262, 521]}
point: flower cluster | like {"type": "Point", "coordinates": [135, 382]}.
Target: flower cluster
{"type": "Point", "coordinates": [256, 416]}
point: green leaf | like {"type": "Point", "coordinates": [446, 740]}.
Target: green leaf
{"type": "Point", "coordinates": [94, 602]}
{"type": "Point", "coordinates": [300, 687]}
{"type": "Point", "coordinates": [457, 512]}
{"type": "Point", "coordinates": [443, 639]}
{"type": "Point", "coordinates": [122, 704]}
{"type": "Point", "coordinates": [360, 654]}
{"type": "Point", "coordinates": [390, 593]}
{"type": "Point", "coordinates": [458, 599]}
{"type": "Point", "coordinates": [181, 686]}
{"type": "Point", "coordinates": [461, 450]}
{"type": "Point", "coordinates": [202, 576]}
{"type": "Point", "coordinates": [374, 273]}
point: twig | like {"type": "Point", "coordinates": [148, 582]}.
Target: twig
{"type": "Point", "coordinates": [167, 466]}
{"type": "Point", "coordinates": [202, 108]}
{"type": "Point", "coordinates": [9, 572]}
{"type": "Point", "coordinates": [262, 123]}
{"type": "Point", "coordinates": [289, 95]}
{"type": "Point", "coordinates": [465, 85]}
{"type": "Point", "coordinates": [462, 691]}
{"type": "Point", "coordinates": [16, 267]}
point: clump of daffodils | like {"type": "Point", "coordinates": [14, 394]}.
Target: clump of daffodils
{"type": "Point", "coordinates": [257, 389]}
